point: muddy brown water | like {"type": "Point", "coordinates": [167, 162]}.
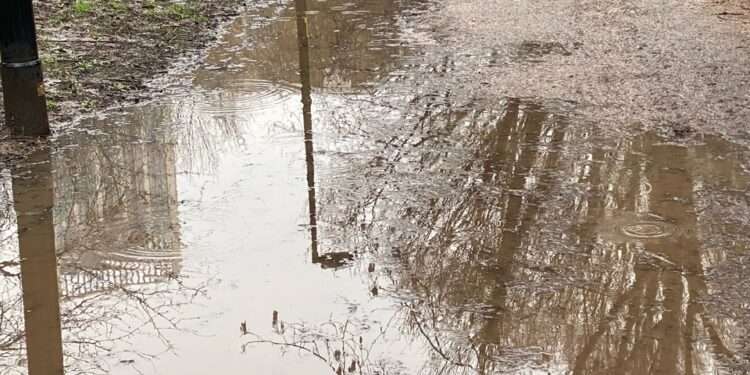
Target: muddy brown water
{"type": "Point", "coordinates": [308, 204]}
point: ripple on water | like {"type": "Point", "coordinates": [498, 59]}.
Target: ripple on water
{"type": "Point", "coordinates": [647, 229]}
{"type": "Point", "coordinates": [626, 226]}
{"type": "Point", "coordinates": [246, 95]}
{"type": "Point", "coordinates": [146, 255]}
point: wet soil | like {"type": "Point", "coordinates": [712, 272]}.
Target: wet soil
{"type": "Point", "coordinates": [98, 54]}
{"type": "Point", "coordinates": [386, 187]}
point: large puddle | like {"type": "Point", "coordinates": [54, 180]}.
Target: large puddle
{"type": "Point", "coordinates": [308, 206]}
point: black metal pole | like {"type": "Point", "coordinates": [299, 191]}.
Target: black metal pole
{"type": "Point", "coordinates": [23, 85]}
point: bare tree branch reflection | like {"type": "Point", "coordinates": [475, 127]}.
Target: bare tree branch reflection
{"type": "Point", "coordinates": [528, 244]}
{"type": "Point", "coordinates": [118, 248]}
{"type": "Point", "coordinates": [340, 345]}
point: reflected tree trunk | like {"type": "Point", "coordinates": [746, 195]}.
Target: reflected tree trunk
{"type": "Point", "coordinates": [662, 314]}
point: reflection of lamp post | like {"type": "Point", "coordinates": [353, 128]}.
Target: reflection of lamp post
{"type": "Point", "coordinates": [23, 86]}
{"type": "Point", "coordinates": [334, 259]}
{"type": "Point", "coordinates": [33, 200]}
{"type": "Point", "coordinates": [304, 64]}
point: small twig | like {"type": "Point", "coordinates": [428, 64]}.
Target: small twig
{"type": "Point", "coordinates": [289, 345]}
{"type": "Point", "coordinates": [730, 14]}
{"type": "Point", "coordinates": [436, 347]}
{"type": "Point", "coordinates": [113, 41]}
{"type": "Point", "coordinates": [6, 273]}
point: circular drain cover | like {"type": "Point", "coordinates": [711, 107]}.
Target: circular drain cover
{"type": "Point", "coordinates": [647, 229]}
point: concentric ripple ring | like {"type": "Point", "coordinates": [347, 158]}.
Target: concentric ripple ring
{"type": "Point", "coordinates": [648, 229]}
{"type": "Point", "coordinates": [246, 96]}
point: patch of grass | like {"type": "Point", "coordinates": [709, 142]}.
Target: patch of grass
{"type": "Point", "coordinates": [88, 104]}
{"type": "Point", "coordinates": [49, 61]}
{"type": "Point", "coordinates": [58, 18]}
{"type": "Point", "coordinates": [152, 9]}
{"type": "Point", "coordinates": [84, 66]}
{"type": "Point", "coordinates": [52, 105]}
{"type": "Point", "coordinates": [163, 10]}
{"type": "Point", "coordinates": [117, 6]}
{"type": "Point", "coordinates": [82, 6]}
{"type": "Point", "coordinates": [182, 11]}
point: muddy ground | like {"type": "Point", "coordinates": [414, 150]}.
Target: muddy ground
{"type": "Point", "coordinates": [101, 53]}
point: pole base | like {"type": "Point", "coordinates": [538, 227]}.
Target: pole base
{"type": "Point", "coordinates": [24, 100]}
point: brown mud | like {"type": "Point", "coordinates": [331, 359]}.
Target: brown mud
{"type": "Point", "coordinates": [102, 53]}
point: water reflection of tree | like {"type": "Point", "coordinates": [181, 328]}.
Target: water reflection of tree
{"type": "Point", "coordinates": [117, 239]}
{"type": "Point", "coordinates": [508, 244]}
{"type": "Point", "coordinates": [116, 203]}
{"type": "Point", "coordinates": [352, 43]}
{"type": "Point", "coordinates": [500, 223]}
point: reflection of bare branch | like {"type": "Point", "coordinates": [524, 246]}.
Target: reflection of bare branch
{"type": "Point", "coordinates": [8, 264]}
{"type": "Point", "coordinates": [297, 345]}
{"type": "Point", "coordinates": [436, 345]}
{"type": "Point", "coordinates": [117, 246]}
{"type": "Point", "coordinates": [340, 345]}
{"type": "Point", "coordinates": [591, 342]}
{"type": "Point", "coordinates": [498, 235]}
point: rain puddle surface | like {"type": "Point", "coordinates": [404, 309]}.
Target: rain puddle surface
{"type": "Point", "coordinates": [314, 202]}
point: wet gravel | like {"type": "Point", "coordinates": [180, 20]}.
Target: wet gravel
{"type": "Point", "coordinates": [632, 64]}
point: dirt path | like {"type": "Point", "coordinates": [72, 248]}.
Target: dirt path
{"type": "Point", "coordinates": [667, 65]}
